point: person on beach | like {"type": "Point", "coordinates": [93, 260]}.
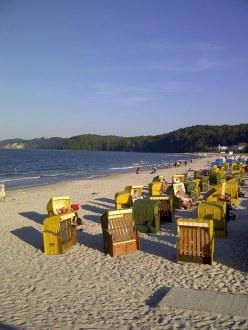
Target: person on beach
{"type": "Point", "coordinates": [185, 202]}
{"type": "Point", "coordinates": [2, 192]}
{"type": "Point", "coordinates": [154, 170]}
{"type": "Point", "coordinates": [138, 170]}
{"type": "Point", "coordinates": [164, 186]}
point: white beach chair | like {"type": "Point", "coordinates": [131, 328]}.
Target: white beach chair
{"type": "Point", "coordinates": [2, 192]}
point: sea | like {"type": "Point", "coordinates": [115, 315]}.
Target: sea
{"type": "Point", "coordinates": [27, 168]}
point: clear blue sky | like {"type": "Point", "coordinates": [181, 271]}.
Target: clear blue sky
{"type": "Point", "coordinates": [123, 67]}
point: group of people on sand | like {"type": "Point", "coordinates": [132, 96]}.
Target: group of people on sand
{"type": "Point", "coordinates": [175, 164]}
{"type": "Point", "coordinates": [185, 202]}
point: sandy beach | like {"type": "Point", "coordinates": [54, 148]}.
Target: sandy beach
{"type": "Point", "coordinates": [86, 289]}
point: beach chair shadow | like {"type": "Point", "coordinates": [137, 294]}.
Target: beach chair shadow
{"type": "Point", "coordinates": [30, 236]}
{"type": "Point", "coordinates": [91, 241]}
{"type": "Point", "coordinates": [192, 213]}
{"type": "Point", "coordinates": [35, 216]}
{"type": "Point", "coordinates": [106, 200]}
{"type": "Point", "coordinates": [4, 326]}
{"type": "Point", "coordinates": [91, 217]}
{"type": "Point", "coordinates": [231, 251]}
{"type": "Point", "coordinates": [163, 250]}
{"type": "Point", "coordinates": [103, 205]}
{"type": "Point", "coordinates": [157, 296]}
{"type": "Point", "coordinates": [93, 208]}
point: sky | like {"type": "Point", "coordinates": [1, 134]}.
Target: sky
{"type": "Point", "coordinates": [121, 67]}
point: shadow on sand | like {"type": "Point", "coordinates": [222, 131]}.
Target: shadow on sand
{"type": "Point", "coordinates": [29, 235]}
{"type": "Point", "coordinates": [92, 241]}
{"type": "Point", "coordinates": [93, 208]}
{"type": "Point", "coordinates": [104, 205]}
{"type": "Point", "coordinates": [232, 251]}
{"type": "Point", "coordinates": [163, 250]}
{"type": "Point", "coordinates": [157, 296]}
{"type": "Point", "coordinates": [92, 217]}
{"type": "Point", "coordinates": [4, 326]}
{"type": "Point", "coordinates": [106, 200]}
{"type": "Point", "coordinates": [37, 217]}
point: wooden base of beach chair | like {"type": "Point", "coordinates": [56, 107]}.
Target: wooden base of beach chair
{"type": "Point", "coordinates": [118, 249]}
{"type": "Point", "coordinates": [194, 259]}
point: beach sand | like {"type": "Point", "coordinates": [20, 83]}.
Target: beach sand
{"type": "Point", "coordinates": [86, 289]}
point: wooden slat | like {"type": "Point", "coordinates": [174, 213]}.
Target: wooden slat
{"type": "Point", "coordinates": [198, 234]}
{"type": "Point", "coordinates": [190, 245]}
{"type": "Point", "coordinates": [127, 227]}
{"type": "Point", "coordinates": [181, 240]}
{"type": "Point", "coordinates": [115, 230]}
{"type": "Point", "coordinates": [185, 243]}
{"type": "Point", "coordinates": [110, 227]}
{"type": "Point", "coordinates": [194, 242]}
{"type": "Point", "coordinates": [202, 242]}
{"type": "Point", "coordinates": [119, 230]}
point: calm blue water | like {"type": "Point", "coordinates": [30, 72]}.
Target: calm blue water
{"type": "Point", "coordinates": [24, 168]}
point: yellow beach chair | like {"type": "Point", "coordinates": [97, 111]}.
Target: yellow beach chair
{"type": "Point", "coordinates": [59, 234]}
{"type": "Point", "coordinates": [217, 212]}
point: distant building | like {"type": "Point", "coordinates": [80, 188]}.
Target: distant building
{"type": "Point", "coordinates": [14, 146]}
{"type": "Point", "coordinates": [222, 148]}
{"type": "Point", "coordinates": [234, 148]}
{"type": "Point", "coordinates": [242, 146]}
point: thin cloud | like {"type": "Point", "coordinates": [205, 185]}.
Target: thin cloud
{"type": "Point", "coordinates": [138, 94]}
{"type": "Point", "coordinates": [199, 65]}
{"type": "Point", "coordinates": [165, 46]}
{"type": "Point", "coordinates": [132, 100]}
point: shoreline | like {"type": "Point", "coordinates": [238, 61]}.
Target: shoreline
{"type": "Point", "coordinates": [96, 177]}
{"type": "Point", "coordinates": [46, 176]}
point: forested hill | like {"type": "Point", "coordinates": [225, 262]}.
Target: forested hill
{"type": "Point", "coordinates": [189, 139]}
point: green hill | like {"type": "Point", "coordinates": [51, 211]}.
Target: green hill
{"type": "Point", "coordinates": [189, 139]}
{"type": "Point", "coordinates": [40, 143]}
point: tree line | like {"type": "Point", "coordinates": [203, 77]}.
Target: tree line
{"type": "Point", "coordinates": [199, 138]}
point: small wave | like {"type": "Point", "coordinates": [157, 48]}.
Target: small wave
{"type": "Point", "coordinates": [94, 176]}
{"type": "Point", "coordinates": [121, 168]}
{"type": "Point", "coordinates": [51, 175]}
{"type": "Point", "coordinates": [20, 179]}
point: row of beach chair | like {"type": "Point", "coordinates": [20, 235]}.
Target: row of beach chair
{"type": "Point", "coordinates": [135, 213]}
